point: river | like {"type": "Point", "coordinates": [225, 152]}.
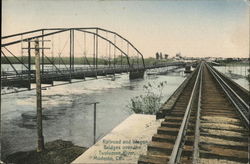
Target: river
{"type": "Point", "coordinates": [68, 115]}
{"type": "Point", "coordinates": [237, 73]}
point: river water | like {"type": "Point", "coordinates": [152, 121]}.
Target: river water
{"type": "Point", "coordinates": [237, 73]}
{"type": "Point", "coordinates": [68, 115]}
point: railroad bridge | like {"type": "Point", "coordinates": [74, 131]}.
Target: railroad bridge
{"type": "Point", "coordinates": [206, 120]}
{"type": "Point", "coordinates": [70, 53]}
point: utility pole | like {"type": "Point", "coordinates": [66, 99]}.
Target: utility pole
{"type": "Point", "coordinates": [40, 141]}
{"type": "Point", "coordinates": [29, 65]}
{"type": "Point", "coordinates": [70, 53]}
{"type": "Point", "coordinates": [1, 118]}
{"type": "Point", "coordinates": [42, 53]}
{"type": "Point", "coordinates": [94, 51]}
{"type": "Point", "coordinates": [73, 48]}
{"type": "Point", "coordinates": [114, 50]}
{"type": "Point", "coordinates": [96, 55]}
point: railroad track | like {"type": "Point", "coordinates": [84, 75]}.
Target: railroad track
{"type": "Point", "coordinates": [208, 124]}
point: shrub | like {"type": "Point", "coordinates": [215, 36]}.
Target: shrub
{"type": "Point", "coordinates": [150, 101]}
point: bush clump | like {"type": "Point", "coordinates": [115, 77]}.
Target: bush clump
{"type": "Point", "coordinates": [150, 102]}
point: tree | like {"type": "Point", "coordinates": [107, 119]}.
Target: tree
{"type": "Point", "coordinates": [157, 56]}
{"type": "Point", "coordinates": [161, 56]}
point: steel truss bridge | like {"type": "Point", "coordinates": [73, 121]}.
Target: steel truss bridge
{"type": "Point", "coordinates": [69, 53]}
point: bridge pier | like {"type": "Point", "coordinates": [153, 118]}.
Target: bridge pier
{"type": "Point", "coordinates": [136, 74]}
{"type": "Point", "coordinates": [47, 81]}
{"type": "Point", "coordinates": [110, 72]}
{"type": "Point", "coordinates": [101, 73]}
{"type": "Point", "coordinates": [21, 83]}
{"type": "Point", "coordinates": [62, 78]}
{"type": "Point", "coordinates": [78, 76]}
{"type": "Point", "coordinates": [91, 74]}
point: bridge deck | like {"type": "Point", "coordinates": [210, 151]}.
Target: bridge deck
{"type": "Point", "coordinates": [25, 78]}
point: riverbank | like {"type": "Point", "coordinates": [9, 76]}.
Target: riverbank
{"type": "Point", "coordinates": [56, 152]}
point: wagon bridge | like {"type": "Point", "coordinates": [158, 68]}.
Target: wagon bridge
{"type": "Point", "coordinates": [69, 53]}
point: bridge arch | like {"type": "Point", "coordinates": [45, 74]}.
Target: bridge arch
{"type": "Point", "coordinates": [14, 39]}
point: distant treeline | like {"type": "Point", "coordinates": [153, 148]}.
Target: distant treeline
{"type": "Point", "coordinates": [78, 60]}
{"type": "Point", "coordinates": [63, 60]}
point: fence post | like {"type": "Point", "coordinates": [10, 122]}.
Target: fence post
{"type": "Point", "coordinates": [94, 118]}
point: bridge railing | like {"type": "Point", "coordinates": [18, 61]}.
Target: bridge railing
{"type": "Point", "coordinates": [65, 71]}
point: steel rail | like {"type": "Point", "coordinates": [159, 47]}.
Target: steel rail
{"type": "Point", "coordinates": [176, 149]}
{"type": "Point", "coordinates": [23, 33]}
{"type": "Point", "coordinates": [72, 28]}
{"type": "Point", "coordinates": [31, 38]}
{"type": "Point", "coordinates": [16, 58]}
{"type": "Point", "coordinates": [53, 64]}
{"type": "Point", "coordinates": [126, 41]}
{"type": "Point", "coordinates": [197, 125]}
{"type": "Point", "coordinates": [225, 86]}
{"type": "Point", "coordinates": [233, 84]}
{"type": "Point", "coordinates": [77, 70]}
{"type": "Point", "coordinates": [9, 62]}
{"type": "Point", "coordinates": [62, 69]}
{"type": "Point", "coordinates": [107, 41]}
{"type": "Point", "coordinates": [45, 87]}
{"type": "Point", "coordinates": [97, 28]}
{"type": "Point", "coordinates": [66, 29]}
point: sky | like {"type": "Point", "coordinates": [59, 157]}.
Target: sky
{"type": "Point", "coordinates": [196, 28]}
